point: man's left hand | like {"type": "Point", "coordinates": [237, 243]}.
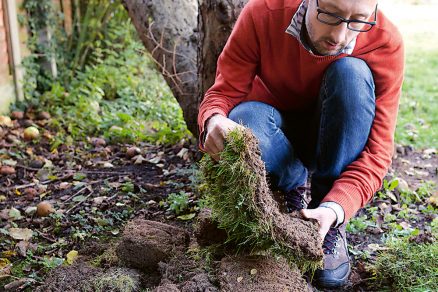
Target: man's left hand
{"type": "Point", "coordinates": [325, 217]}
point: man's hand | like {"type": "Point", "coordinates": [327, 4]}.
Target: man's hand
{"type": "Point", "coordinates": [218, 127]}
{"type": "Point", "coordinates": [325, 217]}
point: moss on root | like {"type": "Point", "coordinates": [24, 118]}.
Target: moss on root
{"type": "Point", "coordinates": [242, 202]}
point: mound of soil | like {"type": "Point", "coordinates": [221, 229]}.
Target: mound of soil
{"type": "Point", "coordinates": [83, 277]}
{"type": "Point", "coordinates": [168, 287]}
{"type": "Point", "coordinates": [259, 273]}
{"type": "Point", "coordinates": [146, 243]}
{"type": "Point", "coordinates": [188, 274]}
{"type": "Point", "coordinates": [207, 231]}
{"type": "Point", "coordinates": [69, 278]}
{"type": "Point", "coordinates": [199, 283]}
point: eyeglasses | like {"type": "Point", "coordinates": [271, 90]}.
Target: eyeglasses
{"type": "Point", "coordinates": [352, 24]}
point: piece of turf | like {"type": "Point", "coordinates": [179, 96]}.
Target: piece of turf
{"type": "Point", "coordinates": [241, 201]}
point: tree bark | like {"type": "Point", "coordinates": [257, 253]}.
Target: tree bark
{"type": "Point", "coordinates": [185, 39]}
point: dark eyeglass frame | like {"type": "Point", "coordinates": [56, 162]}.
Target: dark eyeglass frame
{"type": "Point", "coordinates": [348, 21]}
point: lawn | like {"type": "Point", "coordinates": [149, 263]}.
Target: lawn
{"type": "Point", "coordinates": [418, 115]}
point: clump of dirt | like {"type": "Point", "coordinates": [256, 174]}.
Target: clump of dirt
{"type": "Point", "coordinates": [207, 231]}
{"type": "Point", "coordinates": [116, 280]}
{"type": "Point", "coordinates": [146, 243]}
{"type": "Point", "coordinates": [168, 287]}
{"type": "Point", "coordinates": [243, 204]}
{"type": "Point", "coordinates": [259, 273]}
{"type": "Point", "coordinates": [83, 277]}
{"type": "Point", "coordinates": [199, 283]}
{"type": "Point", "coordinates": [70, 278]}
{"type": "Point", "coordinates": [188, 274]}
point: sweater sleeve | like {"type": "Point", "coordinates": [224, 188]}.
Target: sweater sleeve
{"type": "Point", "coordinates": [363, 177]}
{"type": "Point", "coordinates": [236, 69]}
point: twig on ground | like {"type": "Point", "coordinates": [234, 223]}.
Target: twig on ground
{"type": "Point", "coordinates": [72, 208]}
{"type": "Point", "coordinates": [45, 236]}
{"type": "Point", "coordinates": [77, 193]}
{"type": "Point", "coordinates": [42, 183]}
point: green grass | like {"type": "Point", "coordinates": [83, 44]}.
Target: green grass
{"type": "Point", "coordinates": [418, 116]}
{"type": "Point", "coordinates": [407, 266]}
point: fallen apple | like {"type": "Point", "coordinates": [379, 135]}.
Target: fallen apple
{"type": "Point", "coordinates": [31, 133]}
{"type": "Point", "coordinates": [132, 151]}
{"type": "Point", "coordinates": [7, 170]}
{"type": "Point", "coordinates": [17, 115]}
{"type": "Point", "coordinates": [5, 121]}
{"type": "Point", "coordinates": [44, 208]}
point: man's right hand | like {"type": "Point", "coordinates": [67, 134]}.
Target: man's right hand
{"type": "Point", "coordinates": [217, 128]}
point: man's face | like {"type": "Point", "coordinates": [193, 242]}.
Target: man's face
{"type": "Point", "coordinates": [330, 40]}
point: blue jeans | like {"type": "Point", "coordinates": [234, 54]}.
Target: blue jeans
{"type": "Point", "coordinates": [323, 139]}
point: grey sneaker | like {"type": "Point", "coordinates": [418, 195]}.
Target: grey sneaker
{"type": "Point", "coordinates": [337, 266]}
{"type": "Point", "coordinates": [295, 199]}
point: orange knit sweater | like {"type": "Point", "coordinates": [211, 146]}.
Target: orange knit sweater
{"type": "Point", "coordinates": [262, 62]}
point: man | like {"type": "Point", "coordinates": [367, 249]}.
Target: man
{"type": "Point", "coordinates": [318, 82]}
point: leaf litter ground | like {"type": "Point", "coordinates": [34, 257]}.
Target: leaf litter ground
{"type": "Point", "coordinates": [95, 189]}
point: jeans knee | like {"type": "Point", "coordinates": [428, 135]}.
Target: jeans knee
{"type": "Point", "coordinates": [256, 116]}
{"type": "Point", "coordinates": [349, 68]}
{"type": "Point", "coordinates": [351, 82]}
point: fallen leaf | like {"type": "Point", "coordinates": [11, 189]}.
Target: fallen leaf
{"type": "Point", "coordinates": [20, 233]}
{"type": "Point", "coordinates": [4, 214]}
{"type": "Point", "coordinates": [79, 176]}
{"type": "Point", "coordinates": [391, 196]}
{"type": "Point", "coordinates": [187, 216]}
{"type": "Point", "coordinates": [8, 253]}
{"type": "Point", "coordinates": [22, 247]}
{"type": "Point", "coordinates": [239, 279]}
{"type": "Point", "coordinates": [71, 256]}
{"type": "Point", "coordinates": [433, 199]}
{"type": "Point", "coordinates": [253, 272]}
{"type": "Point", "coordinates": [9, 162]}
{"type": "Point", "coordinates": [105, 164]}
{"type": "Point", "coordinates": [182, 152]}
{"type": "Point", "coordinates": [429, 151]}
{"type": "Point", "coordinates": [99, 200]}
{"type": "Point", "coordinates": [405, 225]}
{"type": "Point", "coordinates": [30, 210]}
{"type": "Point", "coordinates": [4, 263]}
{"type": "Point", "coordinates": [14, 214]}
{"type": "Point", "coordinates": [403, 186]}
{"type": "Point", "coordinates": [138, 159]}
{"type": "Point", "coordinates": [79, 198]}
{"type": "Point", "coordinates": [155, 160]}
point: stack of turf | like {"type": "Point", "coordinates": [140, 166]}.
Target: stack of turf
{"type": "Point", "coordinates": [242, 203]}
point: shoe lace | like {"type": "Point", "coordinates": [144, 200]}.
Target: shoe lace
{"type": "Point", "coordinates": [295, 199]}
{"type": "Point", "coordinates": [331, 241]}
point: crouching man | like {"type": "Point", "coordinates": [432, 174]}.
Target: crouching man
{"type": "Point", "coordinates": [318, 82]}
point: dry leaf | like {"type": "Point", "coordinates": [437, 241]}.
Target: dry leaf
{"type": "Point", "coordinates": [20, 233]}
{"type": "Point", "coordinates": [71, 256]}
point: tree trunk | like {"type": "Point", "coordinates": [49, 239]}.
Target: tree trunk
{"type": "Point", "coordinates": [185, 39]}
